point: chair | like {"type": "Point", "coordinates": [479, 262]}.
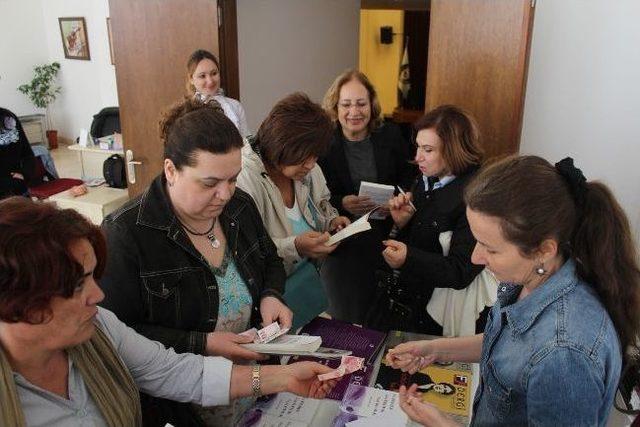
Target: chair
{"type": "Point", "coordinates": [106, 122]}
{"type": "Point", "coordinates": [43, 184]}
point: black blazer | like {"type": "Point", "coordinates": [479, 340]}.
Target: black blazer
{"type": "Point", "coordinates": [392, 155]}
{"type": "Point", "coordinates": [426, 267]}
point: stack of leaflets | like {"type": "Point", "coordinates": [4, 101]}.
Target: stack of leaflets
{"type": "Point", "coordinates": [447, 386]}
{"type": "Point", "coordinates": [361, 342]}
{"type": "Point", "coordinates": [274, 340]}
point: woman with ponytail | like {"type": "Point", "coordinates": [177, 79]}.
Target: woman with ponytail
{"type": "Point", "coordinates": [568, 309]}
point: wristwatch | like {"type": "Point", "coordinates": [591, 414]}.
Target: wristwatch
{"type": "Point", "coordinates": [255, 380]}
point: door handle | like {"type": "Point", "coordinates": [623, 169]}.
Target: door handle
{"type": "Point", "coordinates": [131, 171]}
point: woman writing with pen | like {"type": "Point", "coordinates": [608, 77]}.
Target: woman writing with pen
{"type": "Point", "coordinates": [448, 156]}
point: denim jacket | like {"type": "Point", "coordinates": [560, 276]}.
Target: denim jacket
{"type": "Point", "coordinates": [550, 359]}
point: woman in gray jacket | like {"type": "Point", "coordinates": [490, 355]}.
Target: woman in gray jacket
{"type": "Point", "coordinates": [279, 171]}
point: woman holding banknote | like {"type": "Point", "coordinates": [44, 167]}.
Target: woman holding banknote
{"type": "Point", "coordinates": [568, 310]}
{"type": "Point", "coordinates": [190, 263]}
{"type": "Point", "coordinates": [363, 148]}
{"type": "Point", "coordinates": [64, 361]}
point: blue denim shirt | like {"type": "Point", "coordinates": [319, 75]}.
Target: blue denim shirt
{"type": "Point", "coordinates": [550, 359]}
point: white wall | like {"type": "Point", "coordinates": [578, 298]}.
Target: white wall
{"type": "Point", "coordinates": [30, 35]}
{"type": "Point", "coordinates": [583, 92]}
{"type": "Point", "coordinates": [22, 47]}
{"type": "Point", "coordinates": [87, 86]}
{"type": "Point", "coordinates": [292, 45]}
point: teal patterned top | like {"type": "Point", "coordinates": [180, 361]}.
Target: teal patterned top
{"type": "Point", "coordinates": [234, 308]}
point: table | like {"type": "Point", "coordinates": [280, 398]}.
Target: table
{"type": "Point", "coordinates": [96, 204]}
{"type": "Point", "coordinates": [92, 158]}
{"type": "Point", "coordinates": [328, 409]}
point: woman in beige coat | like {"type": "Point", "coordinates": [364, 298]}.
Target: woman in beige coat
{"type": "Point", "coordinates": [279, 171]}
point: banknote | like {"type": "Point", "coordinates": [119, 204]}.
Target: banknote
{"type": "Point", "coordinates": [348, 364]}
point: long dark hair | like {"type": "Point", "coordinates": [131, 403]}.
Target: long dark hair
{"type": "Point", "coordinates": [535, 201]}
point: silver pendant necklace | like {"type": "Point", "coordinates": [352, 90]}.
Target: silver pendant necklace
{"type": "Point", "coordinates": [215, 243]}
{"type": "Point", "coordinates": [213, 240]}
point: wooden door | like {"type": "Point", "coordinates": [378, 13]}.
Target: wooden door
{"type": "Point", "coordinates": [478, 57]}
{"type": "Point", "coordinates": [152, 41]}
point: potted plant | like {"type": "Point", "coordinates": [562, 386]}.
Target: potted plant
{"type": "Point", "coordinates": [42, 92]}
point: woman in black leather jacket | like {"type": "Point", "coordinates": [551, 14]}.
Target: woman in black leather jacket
{"type": "Point", "coordinates": [191, 264]}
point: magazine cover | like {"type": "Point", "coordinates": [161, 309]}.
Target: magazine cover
{"type": "Point", "coordinates": [447, 386]}
{"type": "Point", "coordinates": [362, 342]}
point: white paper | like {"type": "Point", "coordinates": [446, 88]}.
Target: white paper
{"type": "Point", "coordinates": [287, 343]}
{"type": "Point", "coordinates": [83, 139]}
{"type": "Point", "coordinates": [379, 195]}
{"type": "Point", "coordinates": [355, 227]}
{"type": "Point", "coordinates": [281, 410]}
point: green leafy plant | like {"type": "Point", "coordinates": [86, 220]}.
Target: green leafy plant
{"type": "Point", "coordinates": [42, 91]}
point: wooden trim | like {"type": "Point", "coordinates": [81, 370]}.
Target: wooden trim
{"type": "Point", "coordinates": [396, 4]}
{"type": "Point", "coordinates": [228, 35]}
{"type": "Point", "coordinates": [527, 30]}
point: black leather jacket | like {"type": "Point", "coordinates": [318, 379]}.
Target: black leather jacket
{"type": "Point", "coordinates": [158, 283]}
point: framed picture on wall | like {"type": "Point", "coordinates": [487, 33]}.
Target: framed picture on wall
{"type": "Point", "coordinates": [110, 40]}
{"type": "Point", "coordinates": [74, 38]}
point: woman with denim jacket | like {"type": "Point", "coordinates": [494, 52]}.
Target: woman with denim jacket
{"type": "Point", "coordinates": [191, 264]}
{"type": "Point", "coordinates": [568, 306]}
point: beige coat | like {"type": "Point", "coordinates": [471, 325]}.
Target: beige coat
{"type": "Point", "coordinates": [312, 190]}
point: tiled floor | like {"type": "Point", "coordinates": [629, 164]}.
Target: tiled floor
{"type": "Point", "coordinates": [67, 162]}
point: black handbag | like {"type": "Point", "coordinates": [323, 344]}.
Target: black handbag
{"type": "Point", "coordinates": [390, 308]}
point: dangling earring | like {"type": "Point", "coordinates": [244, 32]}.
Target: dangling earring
{"type": "Point", "coordinates": [540, 270]}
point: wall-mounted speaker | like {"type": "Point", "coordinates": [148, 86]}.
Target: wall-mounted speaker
{"type": "Point", "coordinates": [386, 35]}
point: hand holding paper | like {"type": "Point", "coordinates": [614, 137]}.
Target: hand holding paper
{"type": "Point", "coordinates": [348, 365]}
{"type": "Point", "coordinates": [355, 227]}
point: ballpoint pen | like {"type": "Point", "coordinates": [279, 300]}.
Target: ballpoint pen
{"type": "Point", "coordinates": [403, 193]}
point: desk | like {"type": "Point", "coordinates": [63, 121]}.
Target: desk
{"type": "Point", "coordinates": [96, 204]}
{"type": "Point", "coordinates": [92, 158]}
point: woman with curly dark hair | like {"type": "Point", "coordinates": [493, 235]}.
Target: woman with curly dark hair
{"type": "Point", "coordinates": [65, 361]}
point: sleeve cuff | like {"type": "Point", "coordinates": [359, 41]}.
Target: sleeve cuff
{"type": "Point", "coordinates": [216, 381]}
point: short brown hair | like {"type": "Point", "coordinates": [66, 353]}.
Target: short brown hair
{"type": "Point", "coordinates": [193, 62]}
{"type": "Point", "coordinates": [332, 97]}
{"type": "Point", "coordinates": [459, 134]}
{"type": "Point", "coordinates": [190, 125]}
{"type": "Point", "coordinates": [295, 130]}
{"type": "Point", "coordinates": [35, 259]}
